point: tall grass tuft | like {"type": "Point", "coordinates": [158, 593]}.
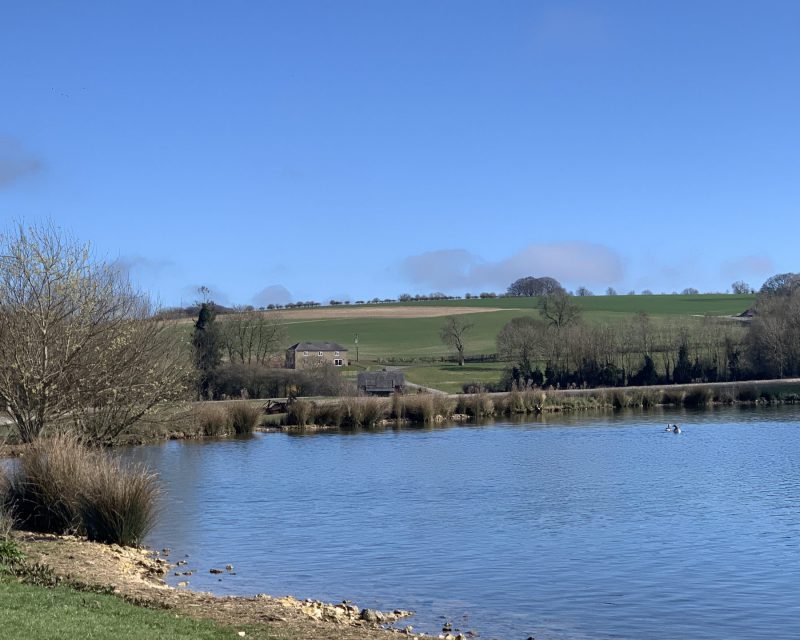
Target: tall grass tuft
{"type": "Point", "coordinates": [119, 505]}
{"type": "Point", "coordinates": [45, 488]}
{"type": "Point", "coordinates": [673, 396]}
{"type": "Point", "coordinates": [300, 412]}
{"type": "Point", "coordinates": [698, 397]}
{"type": "Point", "coordinates": [747, 393]}
{"type": "Point", "coordinates": [6, 518]}
{"type": "Point", "coordinates": [364, 412]}
{"type": "Point", "coordinates": [214, 421]}
{"type": "Point", "coordinates": [244, 417]}
{"type": "Point", "coordinates": [419, 407]}
{"type": "Point", "coordinates": [330, 414]}
{"type": "Point", "coordinates": [61, 486]}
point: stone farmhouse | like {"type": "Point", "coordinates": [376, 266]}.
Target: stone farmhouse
{"type": "Point", "coordinates": [305, 355]}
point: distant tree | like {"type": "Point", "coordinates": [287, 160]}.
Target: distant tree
{"type": "Point", "coordinates": [531, 286]}
{"type": "Point", "coordinates": [740, 287]}
{"type": "Point", "coordinates": [690, 291]}
{"type": "Point", "coordinates": [647, 292]}
{"type": "Point", "coordinates": [452, 334]}
{"type": "Point", "coordinates": [781, 284]}
{"type": "Point", "coordinates": [611, 291]}
{"type": "Point", "coordinates": [250, 337]}
{"type": "Point", "coordinates": [682, 372]}
{"type": "Point", "coordinates": [583, 292]}
{"type": "Point", "coordinates": [207, 346]}
{"type": "Point", "coordinates": [559, 309]}
{"type": "Point", "coordinates": [522, 341]}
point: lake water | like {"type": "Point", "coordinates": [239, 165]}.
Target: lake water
{"type": "Point", "coordinates": [585, 527]}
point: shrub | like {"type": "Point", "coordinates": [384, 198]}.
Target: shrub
{"type": "Point", "coordinates": [214, 420]}
{"type": "Point", "coordinates": [119, 505]}
{"type": "Point", "coordinates": [244, 417]}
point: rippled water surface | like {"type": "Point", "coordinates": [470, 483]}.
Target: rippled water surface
{"type": "Point", "coordinates": [603, 527]}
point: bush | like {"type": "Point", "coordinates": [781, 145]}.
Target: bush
{"type": "Point", "coordinates": [214, 420]}
{"type": "Point", "coordinates": [244, 417]}
{"type": "Point", "coordinates": [60, 486]}
{"type": "Point", "coordinates": [361, 412]}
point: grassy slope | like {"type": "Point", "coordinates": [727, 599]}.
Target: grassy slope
{"type": "Point", "coordinates": [382, 337]}
{"type": "Point", "coordinates": [61, 613]}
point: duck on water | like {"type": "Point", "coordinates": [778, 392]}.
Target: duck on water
{"type": "Point", "coordinates": [674, 428]}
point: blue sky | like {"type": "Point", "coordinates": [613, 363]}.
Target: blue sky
{"type": "Point", "coordinates": [310, 150]}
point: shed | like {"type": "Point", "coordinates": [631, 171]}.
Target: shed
{"type": "Point", "coordinates": [381, 382]}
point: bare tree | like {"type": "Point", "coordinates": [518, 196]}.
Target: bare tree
{"type": "Point", "coordinates": [78, 344]}
{"type": "Point", "coordinates": [252, 337]}
{"type": "Point", "coordinates": [559, 309]}
{"type": "Point", "coordinates": [452, 334]}
{"type": "Point", "coordinates": [740, 287]}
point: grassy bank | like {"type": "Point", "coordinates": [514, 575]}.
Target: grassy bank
{"type": "Point", "coordinates": [62, 613]}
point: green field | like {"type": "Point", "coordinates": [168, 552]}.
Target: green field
{"type": "Point", "coordinates": [416, 337]}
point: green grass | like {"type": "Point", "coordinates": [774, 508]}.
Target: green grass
{"type": "Point", "coordinates": [714, 304]}
{"type": "Point", "coordinates": [419, 337]}
{"type": "Point", "coordinates": [451, 377]}
{"type": "Point", "coordinates": [60, 613]}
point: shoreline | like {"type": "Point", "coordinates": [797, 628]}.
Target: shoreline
{"type": "Point", "coordinates": [585, 401]}
{"type": "Point", "coordinates": [137, 576]}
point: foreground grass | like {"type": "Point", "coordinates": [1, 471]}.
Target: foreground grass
{"type": "Point", "coordinates": [61, 613]}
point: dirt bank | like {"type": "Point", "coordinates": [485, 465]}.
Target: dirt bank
{"type": "Point", "coordinates": [137, 576]}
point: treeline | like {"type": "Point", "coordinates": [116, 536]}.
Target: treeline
{"type": "Point", "coordinates": [558, 349]}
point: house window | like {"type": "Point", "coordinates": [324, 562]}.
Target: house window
{"type": "Point", "coordinates": [320, 354]}
{"type": "Point", "coordinates": [337, 362]}
{"type": "Point", "coordinates": [305, 354]}
{"type": "Point", "coordinates": [336, 353]}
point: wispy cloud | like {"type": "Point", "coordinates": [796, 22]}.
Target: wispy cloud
{"type": "Point", "coordinates": [748, 266]}
{"type": "Point", "coordinates": [16, 162]}
{"type": "Point", "coordinates": [131, 265]}
{"type": "Point", "coordinates": [273, 294]}
{"type": "Point", "coordinates": [570, 262]}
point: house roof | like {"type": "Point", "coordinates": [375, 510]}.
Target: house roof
{"type": "Point", "coordinates": [381, 379]}
{"type": "Point", "coordinates": [317, 345]}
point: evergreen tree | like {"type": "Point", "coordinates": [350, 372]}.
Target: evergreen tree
{"type": "Point", "coordinates": [207, 348]}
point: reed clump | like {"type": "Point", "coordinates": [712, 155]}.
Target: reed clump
{"type": "Point", "coordinates": [244, 417]}
{"type": "Point", "coordinates": [60, 486]}
{"type": "Point", "coordinates": [698, 397]}
{"type": "Point", "coordinates": [214, 421]}
{"type": "Point", "coordinates": [300, 413]}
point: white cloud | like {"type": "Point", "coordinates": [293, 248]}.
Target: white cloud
{"type": "Point", "coordinates": [571, 262]}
